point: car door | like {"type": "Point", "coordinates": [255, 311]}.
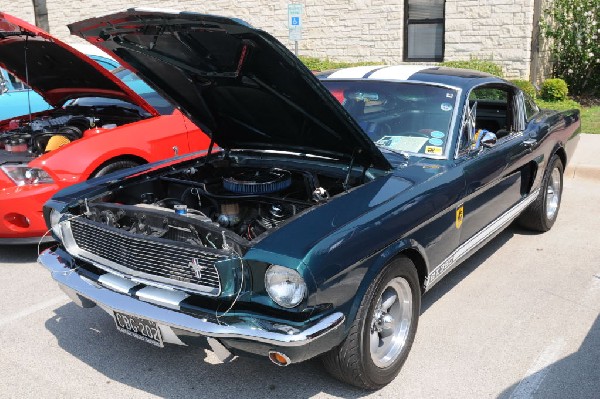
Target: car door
{"type": "Point", "coordinates": [494, 175]}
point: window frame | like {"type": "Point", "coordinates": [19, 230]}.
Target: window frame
{"type": "Point", "coordinates": [408, 22]}
{"type": "Point", "coordinates": [515, 106]}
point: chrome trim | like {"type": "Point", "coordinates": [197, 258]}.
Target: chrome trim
{"type": "Point", "coordinates": [246, 328]}
{"type": "Point", "coordinates": [158, 296]}
{"type": "Point", "coordinates": [116, 283]}
{"type": "Point", "coordinates": [139, 277]}
{"type": "Point", "coordinates": [478, 238]}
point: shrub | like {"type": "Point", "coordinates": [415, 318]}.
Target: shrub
{"type": "Point", "coordinates": [573, 30]}
{"type": "Point", "coordinates": [318, 64]}
{"type": "Point", "coordinates": [554, 90]}
{"type": "Point", "coordinates": [526, 86]}
{"type": "Point", "coordinates": [478, 65]}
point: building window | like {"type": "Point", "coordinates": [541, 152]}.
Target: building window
{"type": "Point", "coordinates": [424, 30]}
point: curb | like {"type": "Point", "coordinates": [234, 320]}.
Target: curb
{"type": "Point", "coordinates": [583, 171]}
{"type": "Point", "coordinates": [585, 161]}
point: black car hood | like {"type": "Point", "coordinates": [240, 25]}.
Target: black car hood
{"type": "Point", "coordinates": [238, 84]}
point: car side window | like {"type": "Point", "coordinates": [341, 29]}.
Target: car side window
{"type": "Point", "coordinates": [16, 83]}
{"type": "Point", "coordinates": [495, 108]}
{"type": "Point", "coordinates": [531, 108]}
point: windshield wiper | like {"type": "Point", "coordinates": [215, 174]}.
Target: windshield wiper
{"type": "Point", "coordinates": [398, 152]}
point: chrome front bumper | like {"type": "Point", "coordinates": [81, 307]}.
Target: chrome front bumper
{"type": "Point", "coordinates": [248, 334]}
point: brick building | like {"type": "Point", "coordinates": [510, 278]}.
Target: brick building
{"type": "Point", "coordinates": [387, 31]}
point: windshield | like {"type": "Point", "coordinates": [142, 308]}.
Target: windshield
{"type": "Point", "coordinates": [413, 118]}
{"type": "Point", "coordinates": [146, 92]}
{"type": "Point", "coordinates": [136, 84]}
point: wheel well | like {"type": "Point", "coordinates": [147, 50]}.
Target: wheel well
{"type": "Point", "coordinates": [416, 258]}
{"type": "Point", "coordinates": [133, 158]}
{"type": "Point", "coordinates": [562, 155]}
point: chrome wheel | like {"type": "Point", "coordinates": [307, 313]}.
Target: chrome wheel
{"type": "Point", "coordinates": [553, 194]}
{"type": "Point", "coordinates": [391, 322]}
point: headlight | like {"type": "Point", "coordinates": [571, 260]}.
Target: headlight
{"type": "Point", "coordinates": [285, 286]}
{"type": "Point", "coordinates": [23, 175]}
{"type": "Point", "coordinates": [55, 223]}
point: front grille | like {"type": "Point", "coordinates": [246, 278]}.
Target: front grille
{"type": "Point", "coordinates": [151, 259]}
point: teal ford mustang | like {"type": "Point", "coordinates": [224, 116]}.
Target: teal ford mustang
{"type": "Point", "coordinates": [324, 208]}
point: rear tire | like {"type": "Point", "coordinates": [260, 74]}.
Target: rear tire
{"type": "Point", "coordinates": [541, 214]}
{"type": "Point", "coordinates": [113, 167]}
{"type": "Point", "coordinates": [382, 334]}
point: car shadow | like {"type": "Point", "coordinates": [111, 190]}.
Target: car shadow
{"type": "Point", "coordinates": [177, 371]}
{"type": "Point", "coordinates": [21, 253]}
{"type": "Point", "coordinates": [574, 376]}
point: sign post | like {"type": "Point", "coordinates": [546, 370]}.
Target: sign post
{"type": "Point", "coordinates": [295, 24]}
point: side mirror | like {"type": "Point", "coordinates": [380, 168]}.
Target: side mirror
{"type": "Point", "coordinates": [489, 140]}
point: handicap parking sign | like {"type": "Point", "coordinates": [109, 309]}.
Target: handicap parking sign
{"type": "Point", "coordinates": [295, 21]}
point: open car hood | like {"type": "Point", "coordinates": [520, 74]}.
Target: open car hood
{"type": "Point", "coordinates": [238, 84]}
{"type": "Point", "coordinates": [54, 69]}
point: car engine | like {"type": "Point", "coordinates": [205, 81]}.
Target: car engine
{"type": "Point", "coordinates": [52, 129]}
{"type": "Point", "coordinates": [215, 204]}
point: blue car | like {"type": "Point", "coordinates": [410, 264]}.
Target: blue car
{"type": "Point", "coordinates": [18, 99]}
{"type": "Point", "coordinates": [331, 205]}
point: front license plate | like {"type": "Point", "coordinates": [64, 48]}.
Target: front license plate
{"type": "Point", "coordinates": [139, 328]}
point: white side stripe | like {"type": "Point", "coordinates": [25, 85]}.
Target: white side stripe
{"type": "Point", "coordinates": [480, 237]}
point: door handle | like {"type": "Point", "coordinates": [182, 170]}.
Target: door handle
{"type": "Point", "coordinates": [529, 143]}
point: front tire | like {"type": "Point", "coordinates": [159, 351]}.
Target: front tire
{"type": "Point", "coordinates": [113, 167]}
{"type": "Point", "coordinates": [382, 334]}
{"type": "Point", "coordinates": [541, 214]}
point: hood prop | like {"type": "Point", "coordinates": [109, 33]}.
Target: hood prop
{"type": "Point", "coordinates": [347, 179]}
{"type": "Point", "coordinates": [27, 78]}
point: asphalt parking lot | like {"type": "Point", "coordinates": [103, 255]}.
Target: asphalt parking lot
{"type": "Point", "coordinates": [520, 319]}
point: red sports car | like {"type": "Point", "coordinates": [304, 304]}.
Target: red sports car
{"type": "Point", "coordinates": [99, 124]}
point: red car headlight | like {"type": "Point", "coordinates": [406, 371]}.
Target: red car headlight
{"type": "Point", "coordinates": [24, 175]}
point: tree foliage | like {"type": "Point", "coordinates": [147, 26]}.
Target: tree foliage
{"type": "Point", "coordinates": [573, 30]}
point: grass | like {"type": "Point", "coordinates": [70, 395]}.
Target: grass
{"type": "Point", "coordinates": [590, 116]}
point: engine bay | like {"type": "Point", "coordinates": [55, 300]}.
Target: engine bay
{"type": "Point", "coordinates": [217, 204]}
{"type": "Point", "coordinates": [47, 131]}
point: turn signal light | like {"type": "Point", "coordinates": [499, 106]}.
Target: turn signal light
{"type": "Point", "coordinates": [279, 358]}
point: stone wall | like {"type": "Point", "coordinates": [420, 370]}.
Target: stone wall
{"type": "Point", "coordinates": [496, 30]}
{"type": "Point", "coordinates": [344, 30]}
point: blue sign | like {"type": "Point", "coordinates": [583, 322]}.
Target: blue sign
{"type": "Point", "coordinates": [295, 21]}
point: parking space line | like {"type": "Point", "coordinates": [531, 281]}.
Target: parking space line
{"type": "Point", "coordinates": [33, 309]}
{"type": "Point", "coordinates": [538, 370]}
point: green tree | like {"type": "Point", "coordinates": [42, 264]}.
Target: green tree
{"type": "Point", "coordinates": [573, 30]}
